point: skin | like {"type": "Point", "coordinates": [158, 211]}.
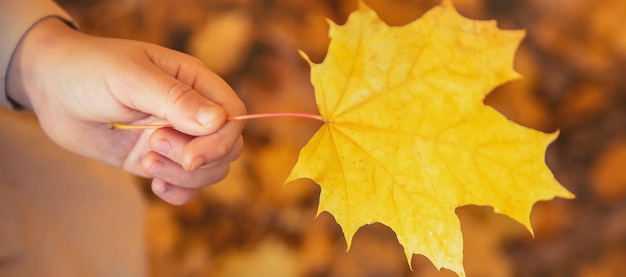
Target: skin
{"type": "Point", "coordinates": [76, 84]}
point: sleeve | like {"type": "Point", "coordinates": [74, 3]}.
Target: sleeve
{"type": "Point", "coordinates": [16, 18]}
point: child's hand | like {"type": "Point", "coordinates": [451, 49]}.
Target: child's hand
{"type": "Point", "coordinates": [77, 84]}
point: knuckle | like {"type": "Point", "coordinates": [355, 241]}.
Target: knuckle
{"type": "Point", "coordinates": [220, 152]}
{"type": "Point", "coordinates": [195, 61]}
{"type": "Point", "coordinates": [177, 94]}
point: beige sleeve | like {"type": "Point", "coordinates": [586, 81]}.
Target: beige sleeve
{"type": "Point", "coordinates": [16, 18]}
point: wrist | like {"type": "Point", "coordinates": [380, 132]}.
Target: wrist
{"type": "Point", "coordinates": [36, 43]}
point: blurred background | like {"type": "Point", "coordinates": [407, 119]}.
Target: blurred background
{"type": "Point", "coordinates": [574, 65]}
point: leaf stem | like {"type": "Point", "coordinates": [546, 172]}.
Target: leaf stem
{"type": "Point", "coordinates": [264, 115]}
{"type": "Point", "coordinates": [121, 126]}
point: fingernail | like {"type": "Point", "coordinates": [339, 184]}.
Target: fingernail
{"type": "Point", "coordinates": [196, 163]}
{"type": "Point", "coordinates": [155, 168]}
{"type": "Point", "coordinates": [163, 147]}
{"type": "Point", "coordinates": [207, 116]}
{"type": "Point", "coordinates": [161, 187]}
{"type": "Point", "coordinates": [166, 188]}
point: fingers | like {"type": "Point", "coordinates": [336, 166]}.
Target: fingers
{"type": "Point", "coordinates": [176, 185]}
{"type": "Point", "coordinates": [225, 144]}
{"type": "Point", "coordinates": [178, 88]}
{"type": "Point", "coordinates": [186, 93]}
{"type": "Point", "coordinates": [166, 97]}
{"type": "Point", "coordinates": [169, 171]}
{"type": "Point", "coordinates": [193, 152]}
{"type": "Point", "coordinates": [171, 149]}
{"type": "Point", "coordinates": [173, 194]}
{"type": "Point", "coordinates": [198, 150]}
{"type": "Point", "coordinates": [169, 143]}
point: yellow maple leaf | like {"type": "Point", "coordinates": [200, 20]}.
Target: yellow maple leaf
{"type": "Point", "coordinates": [407, 137]}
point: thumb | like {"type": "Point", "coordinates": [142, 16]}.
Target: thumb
{"type": "Point", "coordinates": [167, 91]}
{"type": "Point", "coordinates": [186, 109]}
